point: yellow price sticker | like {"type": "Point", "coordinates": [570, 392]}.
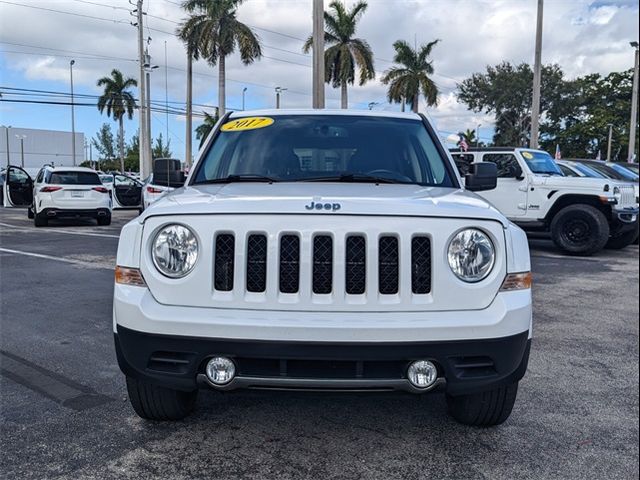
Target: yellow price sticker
{"type": "Point", "coordinates": [248, 123]}
{"type": "Point", "coordinates": [527, 155]}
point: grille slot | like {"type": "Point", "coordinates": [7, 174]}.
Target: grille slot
{"type": "Point", "coordinates": [257, 263]}
{"type": "Point", "coordinates": [322, 264]}
{"type": "Point", "coordinates": [421, 265]}
{"type": "Point", "coordinates": [356, 265]}
{"type": "Point", "coordinates": [223, 266]}
{"type": "Point", "coordinates": [289, 264]}
{"type": "Point", "coordinates": [388, 265]}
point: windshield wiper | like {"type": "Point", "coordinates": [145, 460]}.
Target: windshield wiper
{"type": "Point", "coordinates": [245, 177]}
{"type": "Point", "coordinates": [351, 178]}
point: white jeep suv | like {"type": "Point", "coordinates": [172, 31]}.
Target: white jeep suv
{"type": "Point", "coordinates": [324, 250]}
{"type": "Point", "coordinates": [583, 215]}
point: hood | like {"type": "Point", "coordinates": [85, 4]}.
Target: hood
{"type": "Point", "coordinates": [595, 185]}
{"type": "Point", "coordinates": [325, 199]}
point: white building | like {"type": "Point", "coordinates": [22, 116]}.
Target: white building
{"type": "Point", "coordinates": [31, 148]}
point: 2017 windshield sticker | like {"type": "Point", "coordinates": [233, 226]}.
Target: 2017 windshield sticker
{"type": "Point", "coordinates": [249, 123]}
{"type": "Point", "coordinates": [527, 155]}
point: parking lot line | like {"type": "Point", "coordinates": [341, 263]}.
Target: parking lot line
{"type": "Point", "coordinates": [58, 259]}
{"type": "Point", "coordinates": [55, 230]}
{"type": "Point", "coordinates": [50, 384]}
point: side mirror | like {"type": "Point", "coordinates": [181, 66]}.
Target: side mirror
{"type": "Point", "coordinates": [482, 176]}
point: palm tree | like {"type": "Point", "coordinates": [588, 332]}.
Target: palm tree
{"type": "Point", "coordinates": [410, 80]}
{"type": "Point", "coordinates": [345, 52]}
{"type": "Point", "coordinates": [119, 102]}
{"type": "Point", "coordinates": [203, 130]}
{"type": "Point", "coordinates": [214, 31]}
{"type": "Point", "coordinates": [469, 136]}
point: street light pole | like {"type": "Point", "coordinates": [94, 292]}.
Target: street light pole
{"type": "Point", "coordinates": [21, 138]}
{"type": "Point", "coordinates": [318, 53]}
{"type": "Point", "coordinates": [145, 163]}
{"type": "Point", "coordinates": [609, 143]}
{"type": "Point", "coordinates": [244, 90]}
{"type": "Point", "coordinates": [279, 90]}
{"type": "Point", "coordinates": [537, 73]}
{"type": "Point", "coordinates": [634, 105]}
{"type": "Point", "coordinates": [73, 121]}
{"type": "Point", "coordinates": [478, 135]}
{"type": "Point", "coordinates": [6, 130]}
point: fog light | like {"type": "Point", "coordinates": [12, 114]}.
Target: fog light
{"type": "Point", "coordinates": [221, 370]}
{"type": "Point", "coordinates": [422, 373]}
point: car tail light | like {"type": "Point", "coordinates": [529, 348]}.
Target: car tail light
{"type": "Point", "coordinates": [50, 189]}
{"type": "Point", "coordinates": [154, 190]}
{"type": "Point", "coordinates": [100, 189]}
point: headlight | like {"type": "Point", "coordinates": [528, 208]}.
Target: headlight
{"type": "Point", "coordinates": [174, 251]}
{"type": "Point", "coordinates": [471, 255]}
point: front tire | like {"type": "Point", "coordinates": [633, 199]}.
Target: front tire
{"type": "Point", "coordinates": [580, 230]}
{"type": "Point", "coordinates": [152, 402]}
{"type": "Point", "coordinates": [484, 409]}
{"type": "Point", "coordinates": [30, 213]}
{"type": "Point", "coordinates": [624, 240]}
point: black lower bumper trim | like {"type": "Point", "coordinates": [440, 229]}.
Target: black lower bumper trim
{"type": "Point", "coordinates": [468, 366]}
{"type": "Point", "coordinates": [75, 213]}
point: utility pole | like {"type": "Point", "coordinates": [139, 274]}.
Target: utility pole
{"type": "Point", "coordinates": [166, 87]}
{"type": "Point", "coordinates": [537, 73]}
{"type": "Point", "coordinates": [148, 68]}
{"type": "Point", "coordinates": [478, 135]}
{"type": "Point", "coordinates": [145, 163]}
{"type": "Point", "coordinates": [609, 143]}
{"type": "Point", "coordinates": [188, 124]}
{"type": "Point", "coordinates": [73, 121]}
{"type": "Point", "coordinates": [244, 91]}
{"type": "Point", "coordinates": [634, 105]}
{"type": "Point", "coordinates": [6, 131]}
{"type": "Point", "coordinates": [318, 53]}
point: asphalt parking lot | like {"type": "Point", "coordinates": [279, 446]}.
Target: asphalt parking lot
{"type": "Point", "coordinates": [64, 411]}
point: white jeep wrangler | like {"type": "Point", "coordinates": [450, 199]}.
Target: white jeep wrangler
{"type": "Point", "coordinates": [324, 250]}
{"type": "Point", "coordinates": [583, 215]}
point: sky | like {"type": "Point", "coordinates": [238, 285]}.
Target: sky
{"type": "Point", "coordinates": [38, 39]}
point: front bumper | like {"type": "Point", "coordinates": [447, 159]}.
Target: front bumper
{"type": "Point", "coordinates": [624, 221]}
{"type": "Point", "coordinates": [178, 362]}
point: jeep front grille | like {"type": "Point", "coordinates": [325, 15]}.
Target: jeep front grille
{"type": "Point", "coordinates": [628, 196]}
{"type": "Point", "coordinates": [351, 276]}
{"type": "Point", "coordinates": [224, 254]}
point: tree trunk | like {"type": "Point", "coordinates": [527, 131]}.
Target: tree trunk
{"type": "Point", "coordinates": [344, 99]}
{"type": "Point", "coordinates": [189, 124]}
{"type": "Point", "coordinates": [221, 85]}
{"type": "Point", "coordinates": [121, 144]}
{"type": "Point", "coordinates": [415, 102]}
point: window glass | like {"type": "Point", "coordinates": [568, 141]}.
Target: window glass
{"type": "Point", "coordinates": [463, 162]}
{"type": "Point", "coordinates": [567, 171]}
{"type": "Point", "coordinates": [18, 176]}
{"type": "Point", "coordinates": [506, 162]}
{"type": "Point", "coordinates": [40, 176]}
{"type": "Point", "coordinates": [540, 162]}
{"type": "Point", "coordinates": [74, 178]}
{"type": "Point", "coordinates": [298, 148]}
{"type": "Point", "coordinates": [121, 180]}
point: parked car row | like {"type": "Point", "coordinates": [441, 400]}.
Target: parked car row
{"type": "Point", "coordinates": [62, 192]}
{"type": "Point", "coordinates": [584, 213]}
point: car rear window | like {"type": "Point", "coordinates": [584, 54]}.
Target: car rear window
{"type": "Point", "coordinates": [74, 178]}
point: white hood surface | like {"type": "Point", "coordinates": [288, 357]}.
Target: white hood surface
{"type": "Point", "coordinates": [344, 198]}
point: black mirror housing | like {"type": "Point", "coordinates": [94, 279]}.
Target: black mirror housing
{"type": "Point", "coordinates": [482, 177]}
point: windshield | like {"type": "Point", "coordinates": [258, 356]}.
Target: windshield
{"type": "Point", "coordinates": [106, 178]}
{"type": "Point", "coordinates": [588, 171]}
{"type": "Point", "coordinates": [74, 178]}
{"type": "Point", "coordinates": [541, 162]}
{"type": "Point", "coordinates": [624, 172]}
{"type": "Point", "coordinates": [292, 148]}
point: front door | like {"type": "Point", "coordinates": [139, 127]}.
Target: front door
{"type": "Point", "coordinates": [128, 191]}
{"type": "Point", "coordinates": [18, 188]}
{"type": "Point", "coordinates": [510, 196]}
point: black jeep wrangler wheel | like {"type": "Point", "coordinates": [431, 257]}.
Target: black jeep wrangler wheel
{"type": "Point", "coordinates": [580, 230]}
